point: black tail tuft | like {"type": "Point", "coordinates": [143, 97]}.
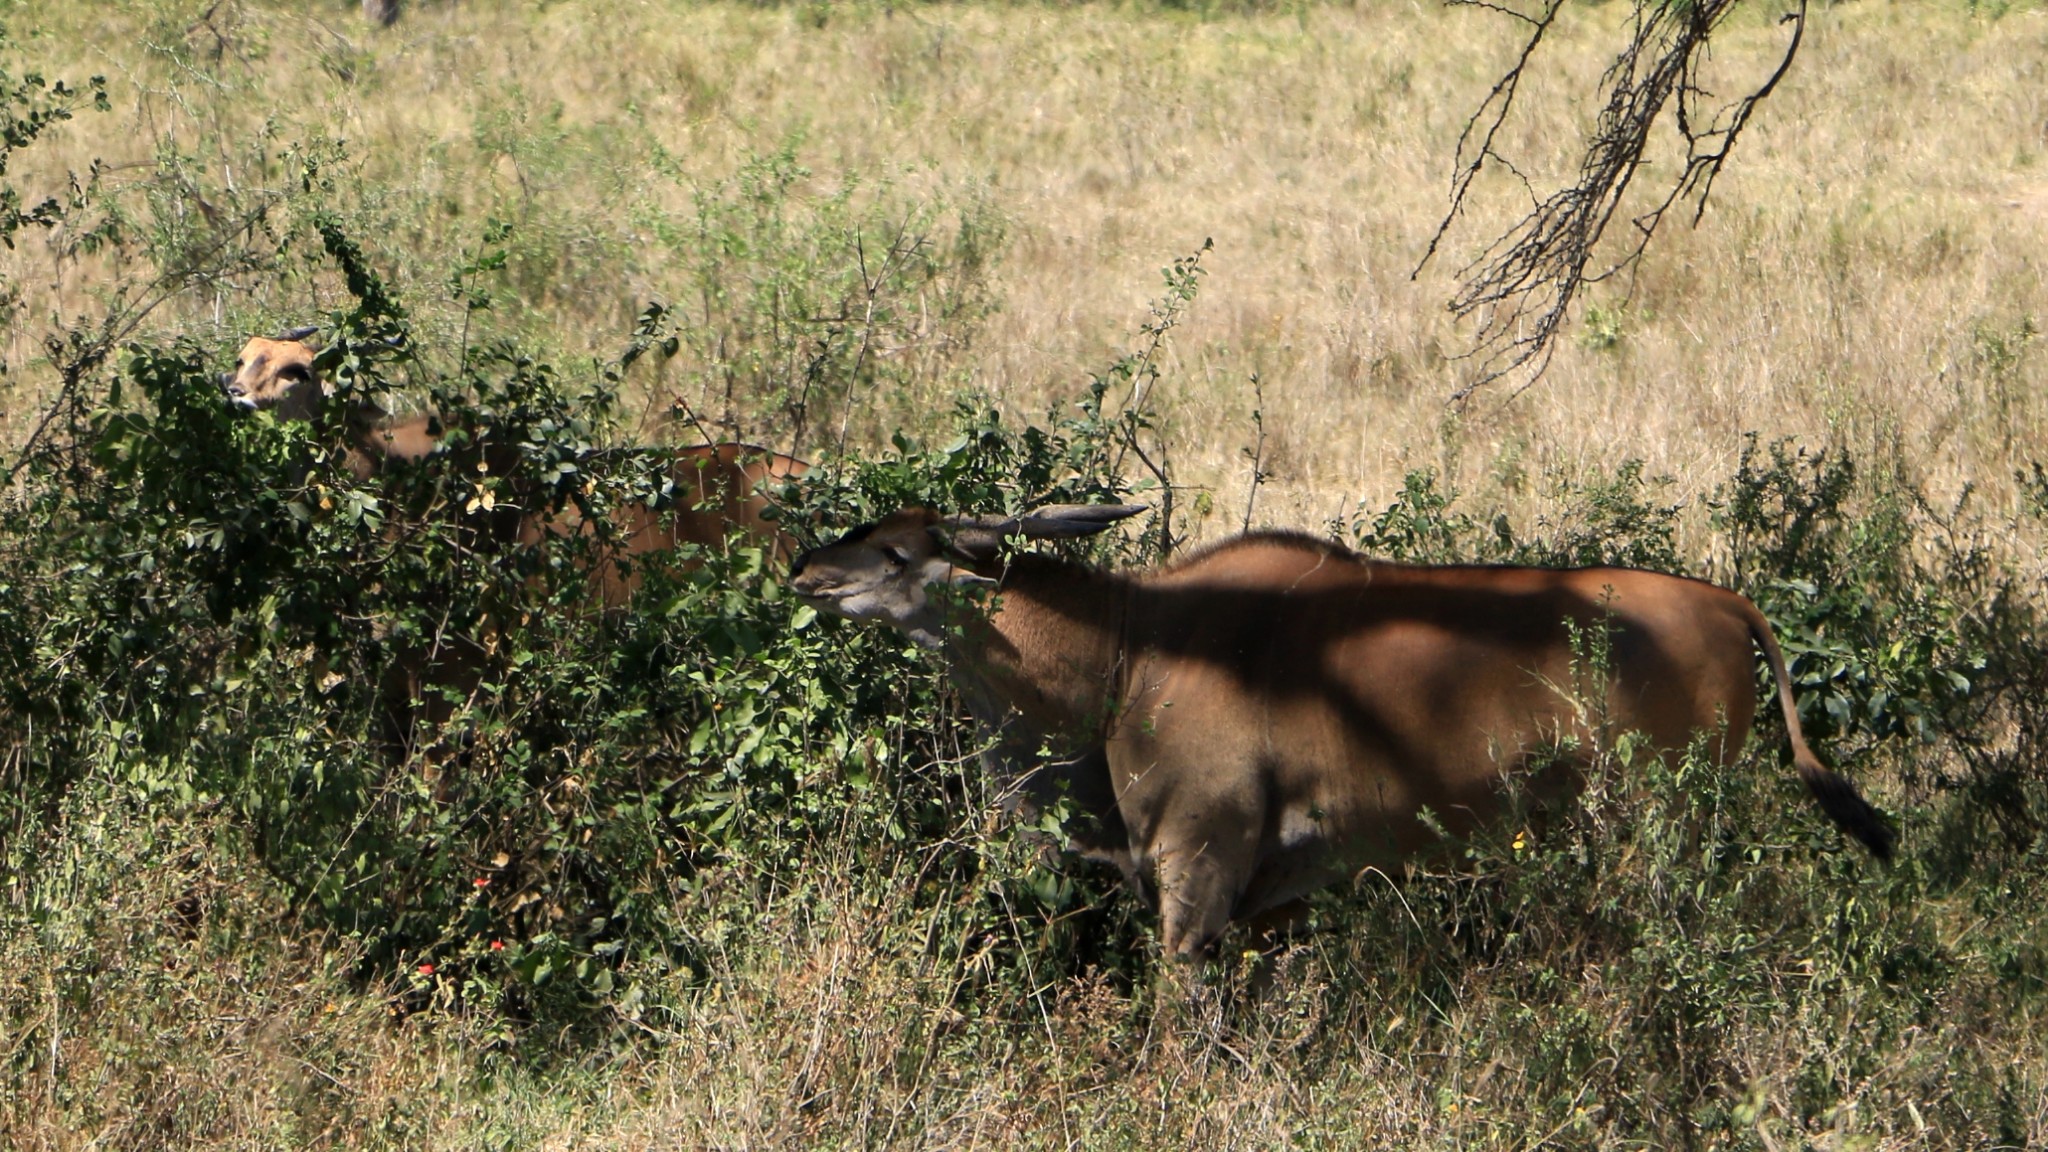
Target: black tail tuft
{"type": "Point", "coordinates": [1847, 808]}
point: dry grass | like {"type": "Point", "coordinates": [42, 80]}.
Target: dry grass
{"type": "Point", "coordinates": [1878, 228]}
{"type": "Point", "coordinates": [832, 1023]}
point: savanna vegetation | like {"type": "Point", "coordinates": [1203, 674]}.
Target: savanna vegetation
{"type": "Point", "coordinates": [717, 872]}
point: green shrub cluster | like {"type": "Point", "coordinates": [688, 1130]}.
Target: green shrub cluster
{"type": "Point", "coordinates": [209, 612]}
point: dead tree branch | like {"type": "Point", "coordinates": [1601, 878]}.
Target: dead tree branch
{"type": "Point", "coordinates": [1518, 289]}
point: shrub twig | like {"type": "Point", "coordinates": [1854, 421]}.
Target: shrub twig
{"type": "Point", "coordinates": [1257, 452]}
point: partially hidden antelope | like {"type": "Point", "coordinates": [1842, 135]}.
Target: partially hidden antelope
{"type": "Point", "coordinates": [712, 490]}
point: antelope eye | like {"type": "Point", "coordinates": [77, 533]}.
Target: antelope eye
{"type": "Point", "coordinates": [292, 372]}
{"type": "Point", "coordinates": [897, 556]}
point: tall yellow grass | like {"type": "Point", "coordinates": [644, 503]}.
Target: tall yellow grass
{"type": "Point", "coordinates": [1879, 228]}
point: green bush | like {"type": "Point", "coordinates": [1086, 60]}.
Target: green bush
{"type": "Point", "coordinates": [231, 604]}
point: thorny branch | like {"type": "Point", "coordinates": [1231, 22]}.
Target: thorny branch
{"type": "Point", "coordinates": [1520, 286]}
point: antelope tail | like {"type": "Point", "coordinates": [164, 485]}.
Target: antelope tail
{"type": "Point", "coordinates": [1837, 796]}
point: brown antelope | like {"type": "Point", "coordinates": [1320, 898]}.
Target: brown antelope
{"type": "Point", "coordinates": [714, 487]}
{"type": "Point", "coordinates": [1276, 712]}
{"type": "Point", "coordinates": [278, 376]}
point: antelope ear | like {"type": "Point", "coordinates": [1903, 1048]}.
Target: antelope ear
{"type": "Point", "coordinates": [362, 413]}
{"type": "Point", "coordinates": [979, 538]}
{"type": "Point", "coordinates": [1063, 521]}
{"type": "Point", "coordinates": [962, 578]}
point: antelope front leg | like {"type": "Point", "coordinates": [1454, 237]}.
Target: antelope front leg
{"type": "Point", "coordinates": [1199, 884]}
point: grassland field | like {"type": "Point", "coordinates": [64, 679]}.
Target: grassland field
{"type": "Point", "coordinates": [995, 188]}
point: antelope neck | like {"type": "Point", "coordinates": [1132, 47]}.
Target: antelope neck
{"type": "Point", "coordinates": [1051, 649]}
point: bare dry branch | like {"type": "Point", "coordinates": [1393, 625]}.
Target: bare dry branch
{"type": "Point", "coordinates": [1519, 288]}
